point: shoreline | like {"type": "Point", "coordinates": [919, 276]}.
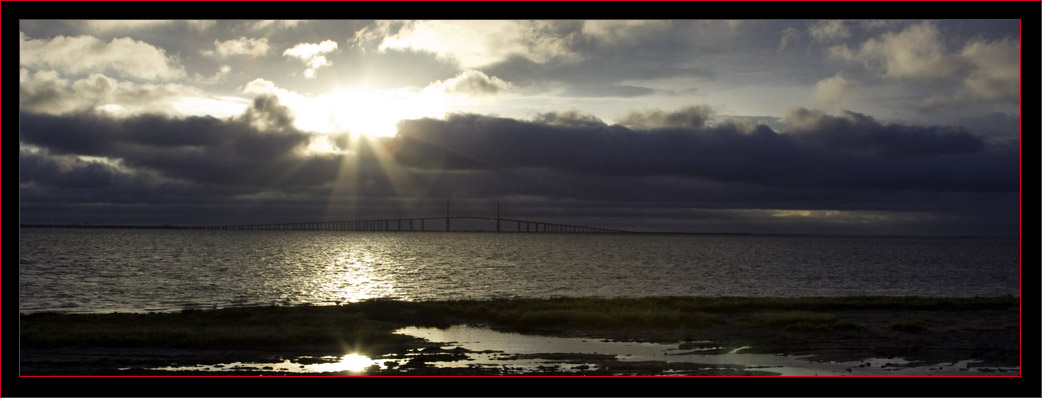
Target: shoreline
{"type": "Point", "coordinates": [919, 330]}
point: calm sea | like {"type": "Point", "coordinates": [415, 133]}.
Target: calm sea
{"type": "Point", "coordinates": [106, 270]}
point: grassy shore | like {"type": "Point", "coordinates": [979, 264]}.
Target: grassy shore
{"type": "Point", "coordinates": [929, 329]}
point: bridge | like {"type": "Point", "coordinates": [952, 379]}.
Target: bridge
{"type": "Point", "coordinates": [418, 224]}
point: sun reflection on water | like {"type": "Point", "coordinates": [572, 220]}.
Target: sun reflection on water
{"type": "Point", "coordinates": [349, 362]}
{"type": "Point", "coordinates": [353, 277]}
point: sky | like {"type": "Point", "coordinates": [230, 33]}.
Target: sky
{"type": "Point", "coordinates": [868, 127]}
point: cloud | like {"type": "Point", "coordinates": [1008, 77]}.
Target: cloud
{"type": "Point", "coordinates": [312, 55]}
{"type": "Point", "coordinates": [259, 148]}
{"type": "Point", "coordinates": [991, 74]}
{"type": "Point", "coordinates": [85, 54]}
{"type": "Point", "coordinates": [982, 71]}
{"type": "Point", "coordinates": [254, 168]}
{"type": "Point", "coordinates": [916, 53]}
{"type": "Point", "coordinates": [577, 58]}
{"type": "Point", "coordinates": [848, 152]}
{"type": "Point", "coordinates": [830, 92]}
{"type": "Point", "coordinates": [995, 71]}
{"type": "Point", "coordinates": [71, 172]}
{"type": "Point", "coordinates": [788, 37]}
{"type": "Point", "coordinates": [993, 124]}
{"type": "Point", "coordinates": [570, 118]}
{"type": "Point", "coordinates": [267, 115]}
{"type": "Point", "coordinates": [828, 31]}
{"type": "Point", "coordinates": [689, 117]}
{"type": "Point", "coordinates": [473, 82]}
{"type": "Point", "coordinates": [472, 43]}
{"type": "Point", "coordinates": [855, 131]}
{"type": "Point", "coordinates": [240, 46]}
{"type": "Point", "coordinates": [222, 72]}
{"type": "Point", "coordinates": [47, 92]}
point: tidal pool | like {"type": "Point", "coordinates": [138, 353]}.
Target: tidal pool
{"type": "Point", "coordinates": [464, 346]}
{"type": "Point", "coordinates": [502, 349]}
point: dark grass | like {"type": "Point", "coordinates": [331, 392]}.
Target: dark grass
{"type": "Point", "coordinates": [370, 323]}
{"type": "Point", "coordinates": [223, 328]}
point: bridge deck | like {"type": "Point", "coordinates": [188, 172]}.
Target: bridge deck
{"type": "Point", "coordinates": [416, 225]}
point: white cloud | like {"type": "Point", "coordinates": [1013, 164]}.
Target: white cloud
{"type": "Point", "coordinates": [470, 43]}
{"type": "Point", "coordinates": [995, 69]}
{"type": "Point", "coordinates": [47, 92]}
{"type": "Point", "coordinates": [240, 46]}
{"type": "Point", "coordinates": [85, 54]}
{"type": "Point", "coordinates": [312, 55]}
{"type": "Point", "coordinates": [980, 71]}
{"type": "Point", "coordinates": [992, 74]}
{"type": "Point", "coordinates": [917, 53]}
{"type": "Point", "coordinates": [473, 82]}
{"type": "Point", "coordinates": [831, 91]}
{"type": "Point", "coordinates": [827, 31]}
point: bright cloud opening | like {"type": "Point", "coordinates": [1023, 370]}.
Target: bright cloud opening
{"type": "Point", "coordinates": [359, 110]}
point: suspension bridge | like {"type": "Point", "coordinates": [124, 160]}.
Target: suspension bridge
{"type": "Point", "coordinates": [417, 224]}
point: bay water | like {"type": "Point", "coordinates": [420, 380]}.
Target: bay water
{"type": "Point", "coordinates": [134, 270]}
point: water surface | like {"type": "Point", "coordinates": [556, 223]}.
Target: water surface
{"type": "Point", "coordinates": [105, 270]}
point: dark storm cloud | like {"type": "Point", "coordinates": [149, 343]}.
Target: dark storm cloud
{"type": "Point", "coordinates": [69, 172]}
{"type": "Point", "coordinates": [856, 131]}
{"type": "Point", "coordinates": [995, 123]}
{"type": "Point", "coordinates": [68, 179]}
{"type": "Point", "coordinates": [258, 148]}
{"type": "Point", "coordinates": [834, 153]}
{"type": "Point", "coordinates": [679, 203]}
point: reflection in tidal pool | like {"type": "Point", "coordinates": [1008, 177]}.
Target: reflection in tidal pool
{"type": "Point", "coordinates": [350, 363]}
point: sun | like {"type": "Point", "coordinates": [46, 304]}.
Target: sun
{"type": "Point", "coordinates": [364, 111]}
